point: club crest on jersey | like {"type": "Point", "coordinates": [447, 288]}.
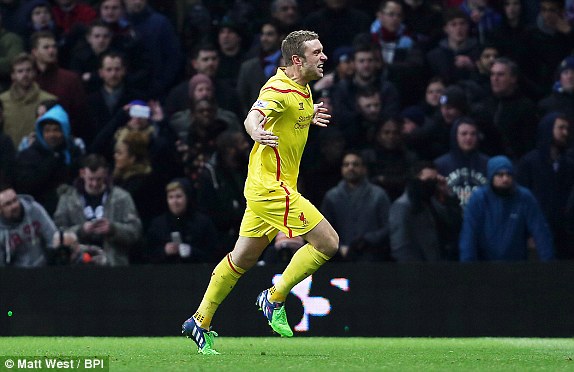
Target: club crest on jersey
{"type": "Point", "coordinates": [260, 104]}
{"type": "Point", "coordinates": [303, 219]}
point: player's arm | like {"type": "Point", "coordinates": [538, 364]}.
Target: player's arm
{"type": "Point", "coordinates": [254, 125]}
{"type": "Point", "coordinates": [321, 116]}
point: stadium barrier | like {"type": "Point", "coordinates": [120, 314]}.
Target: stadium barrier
{"type": "Point", "coordinates": [381, 300]}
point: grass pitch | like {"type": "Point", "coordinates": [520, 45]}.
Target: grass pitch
{"type": "Point", "coordinates": [308, 354]}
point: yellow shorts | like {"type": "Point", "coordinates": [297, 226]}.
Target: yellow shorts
{"type": "Point", "coordinates": [292, 214]}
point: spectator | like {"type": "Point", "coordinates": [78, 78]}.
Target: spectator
{"type": "Point", "coordinates": [337, 22]}
{"type": "Point", "coordinates": [464, 166]}
{"type": "Point", "coordinates": [507, 117]}
{"type": "Point", "coordinates": [550, 40]}
{"type": "Point", "coordinates": [71, 15]}
{"type": "Point", "coordinates": [562, 97]}
{"type": "Point", "coordinates": [510, 37]}
{"type": "Point", "coordinates": [425, 220]}
{"type": "Point", "coordinates": [87, 54]}
{"type": "Point", "coordinates": [204, 60]}
{"type": "Point", "coordinates": [64, 84]}
{"type": "Point", "coordinates": [413, 117]}
{"type": "Point", "coordinates": [322, 170]}
{"type": "Point", "coordinates": [133, 173]}
{"type": "Point", "coordinates": [366, 75]}
{"type": "Point", "coordinates": [100, 214]}
{"type": "Point", "coordinates": [433, 139]}
{"type": "Point", "coordinates": [477, 85]}
{"type": "Point", "coordinates": [114, 93]}
{"type": "Point", "coordinates": [182, 234]}
{"type": "Point", "coordinates": [500, 217]}
{"type": "Point", "coordinates": [361, 132]}
{"type": "Point", "coordinates": [254, 72]}
{"type": "Point", "coordinates": [286, 12]}
{"type": "Point", "coordinates": [402, 58]}
{"type": "Point", "coordinates": [7, 153]}
{"type": "Point", "coordinates": [39, 18]}
{"type": "Point", "coordinates": [21, 100]}
{"type": "Point", "coordinates": [430, 105]}
{"type": "Point", "coordinates": [26, 230]}
{"type": "Point", "coordinates": [200, 87]}
{"type": "Point", "coordinates": [344, 69]}
{"type": "Point", "coordinates": [388, 160]}
{"type": "Point", "coordinates": [453, 59]}
{"type": "Point", "coordinates": [549, 174]}
{"type": "Point", "coordinates": [359, 211]}
{"type": "Point", "coordinates": [230, 40]}
{"type": "Point", "coordinates": [11, 45]}
{"type": "Point", "coordinates": [69, 250]}
{"type": "Point", "coordinates": [125, 41]}
{"type": "Point", "coordinates": [424, 21]}
{"type": "Point", "coordinates": [149, 119]}
{"type": "Point", "coordinates": [51, 161]}
{"type": "Point", "coordinates": [483, 18]}
{"type": "Point", "coordinates": [161, 44]}
{"type": "Point", "coordinates": [220, 185]}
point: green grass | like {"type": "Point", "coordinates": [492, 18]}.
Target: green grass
{"type": "Point", "coordinates": [309, 354]}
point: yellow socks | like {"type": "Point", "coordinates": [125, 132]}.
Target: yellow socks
{"type": "Point", "coordinates": [223, 279]}
{"type": "Point", "coordinates": [305, 262]}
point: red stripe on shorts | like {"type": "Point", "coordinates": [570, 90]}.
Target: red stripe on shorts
{"type": "Point", "coordinates": [286, 211]}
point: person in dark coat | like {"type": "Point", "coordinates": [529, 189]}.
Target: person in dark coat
{"type": "Point", "coordinates": [549, 173]}
{"type": "Point", "coordinates": [182, 234]}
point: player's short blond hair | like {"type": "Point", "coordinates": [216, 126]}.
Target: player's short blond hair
{"type": "Point", "coordinates": [294, 44]}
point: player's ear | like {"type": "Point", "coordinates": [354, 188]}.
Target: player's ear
{"type": "Point", "coordinates": [297, 60]}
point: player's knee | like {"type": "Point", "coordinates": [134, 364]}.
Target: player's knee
{"type": "Point", "coordinates": [331, 244]}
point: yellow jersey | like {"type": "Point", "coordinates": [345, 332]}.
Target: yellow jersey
{"type": "Point", "coordinates": [289, 109]}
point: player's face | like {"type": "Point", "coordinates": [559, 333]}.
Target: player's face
{"type": "Point", "coordinates": [23, 74]}
{"type": "Point", "coordinates": [94, 181]}
{"type": "Point", "coordinates": [560, 132]}
{"type": "Point", "coordinates": [466, 137]}
{"type": "Point", "coordinates": [313, 61]}
{"type": "Point", "coordinates": [112, 72]}
{"type": "Point", "coordinates": [567, 80]}
{"type": "Point", "coordinates": [177, 202]}
{"type": "Point", "coordinates": [10, 207]}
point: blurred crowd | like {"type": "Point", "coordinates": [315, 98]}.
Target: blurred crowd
{"type": "Point", "coordinates": [122, 136]}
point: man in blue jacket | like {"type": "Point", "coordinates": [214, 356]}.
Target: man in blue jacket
{"type": "Point", "coordinates": [500, 217]}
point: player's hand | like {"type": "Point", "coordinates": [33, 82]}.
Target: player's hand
{"type": "Point", "coordinates": [263, 136]}
{"type": "Point", "coordinates": [321, 116]}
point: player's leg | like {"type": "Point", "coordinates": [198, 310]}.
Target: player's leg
{"type": "Point", "coordinates": [322, 244]}
{"type": "Point", "coordinates": [223, 280]}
